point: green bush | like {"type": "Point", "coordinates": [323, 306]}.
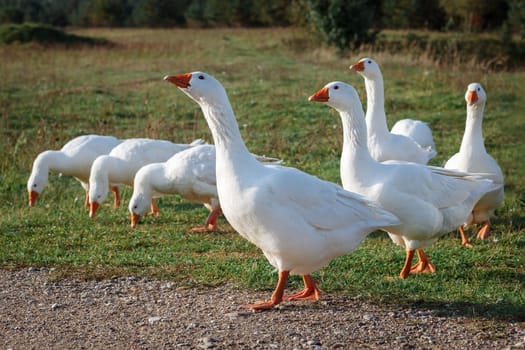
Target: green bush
{"type": "Point", "coordinates": [344, 24]}
{"type": "Point", "coordinates": [43, 34]}
{"type": "Point", "coordinates": [490, 52]}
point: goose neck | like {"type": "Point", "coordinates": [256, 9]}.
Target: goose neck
{"type": "Point", "coordinates": [473, 136]}
{"type": "Point", "coordinates": [355, 158]}
{"type": "Point", "coordinates": [375, 107]}
{"type": "Point", "coordinates": [52, 160]}
{"type": "Point", "coordinates": [226, 135]}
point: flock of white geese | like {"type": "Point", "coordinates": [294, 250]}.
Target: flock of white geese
{"type": "Point", "coordinates": [299, 221]}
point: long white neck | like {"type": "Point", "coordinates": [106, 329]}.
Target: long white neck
{"type": "Point", "coordinates": [144, 185]}
{"type": "Point", "coordinates": [375, 107]}
{"type": "Point", "coordinates": [105, 170]}
{"type": "Point", "coordinates": [473, 137]}
{"type": "Point", "coordinates": [120, 171]}
{"type": "Point", "coordinates": [56, 161]}
{"type": "Point", "coordinates": [231, 150]}
{"type": "Point", "coordinates": [355, 158]}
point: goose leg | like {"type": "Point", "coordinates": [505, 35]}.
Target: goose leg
{"type": "Point", "coordinates": [116, 202]}
{"type": "Point", "coordinates": [464, 239]}
{"type": "Point", "coordinates": [153, 206]}
{"type": "Point", "coordinates": [484, 231]}
{"type": "Point", "coordinates": [424, 264]}
{"type": "Point", "coordinates": [310, 291]}
{"type": "Point", "coordinates": [408, 262]}
{"type": "Point", "coordinates": [277, 295]}
{"type": "Point", "coordinates": [211, 221]}
{"type": "Point", "coordinates": [86, 202]}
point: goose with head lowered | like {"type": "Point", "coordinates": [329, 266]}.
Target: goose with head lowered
{"type": "Point", "coordinates": [123, 162]}
{"type": "Point", "coordinates": [190, 174]}
{"type": "Point", "coordinates": [299, 221]}
{"type": "Point", "coordinates": [385, 145]}
{"type": "Point", "coordinates": [417, 130]}
{"type": "Point", "coordinates": [73, 159]}
{"type": "Point", "coordinates": [473, 157]}
{"type": "Point", "coordinates": [429, 201]}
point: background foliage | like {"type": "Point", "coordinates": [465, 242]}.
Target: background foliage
{"type": "Point", "coordinates": [344, 23]}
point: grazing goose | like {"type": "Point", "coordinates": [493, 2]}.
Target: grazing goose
{"type": "Point", "coordinates": [123, 162]}
{"type": "Point", "coordinates": [73, 159]}
{"type": "Point", "coordinates": [299, 221]}
{"type": "Point", "coordinates": [190, 174]}
{"type": "Point", "coordinates": [429, 201]}
{"type": "Point", "coordinates": [473, 157]}
{"type": "Point", "coordinates": [416, 130]}
{"type": "Point", "coordinates": [384, 145]}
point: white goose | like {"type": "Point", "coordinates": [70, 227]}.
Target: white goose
{"type": "Point", "coordinates": [73, 159]}
{"type": "Point", "coordinates": [472, 157]}
{"type": "Point", "coordinates": [190, 174]}
{"type": "Point", "coordinates": [299, 221]}
{"type": "Point", "coordinates": [429, 201]}
{"type": "Point", "coordinates": [416, 130]}
{"type": "Point", "coordinates": [123, 162]}
{"type": "Point", "coordinates": [384, 145]}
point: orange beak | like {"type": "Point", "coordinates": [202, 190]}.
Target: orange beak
{"type": "Point", "coordinates": [181, 80]}
{"type": "Point", "coordinates": [472, 97]}
{"type": "Point", "coordinates": [93, 206]}
{"type": "Point", "coordinates": [358, 67]}
{"type": "Point", "coordinates": [320, 96]}
{"type": "Point", "coordinates": [134, 219]}
{"type": "Point", "coordinates": [32, 198]}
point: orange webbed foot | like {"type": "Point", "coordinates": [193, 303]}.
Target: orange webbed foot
{"type": "Point", "coordinates": [305, 294]}
{"type": "Point", "coordinates": [277, 295]}
{"type": "Point", "coordinates": [422, 267]}
{"type": "Point", "coordinates": [204, 228]}
{"type": "Point", "coordinates": [310, 291]}
{"type": "Point", "coordinates": [484, 232]}
{"type": "Point", "coordinates": [424, 264]}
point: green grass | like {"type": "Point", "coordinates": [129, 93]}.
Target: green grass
{"type": "Point", "coordinates": [48, 96]}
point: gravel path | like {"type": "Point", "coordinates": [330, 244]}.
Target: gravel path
{"type": "Point", "coordinates": [137, 313]}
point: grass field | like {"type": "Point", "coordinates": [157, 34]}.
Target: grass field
{"type": "Point", "coordinates": [49, 95]}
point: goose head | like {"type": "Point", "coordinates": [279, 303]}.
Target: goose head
{"type": "Point", "coordinates": [367, 67]}
{"type": "Point", "coordinates": [138, 206]}
{"type": "Point", "coordinates": [338, 95]}
{"type": "Point", "coordinates": [39, 176]}
{"type": "Point", "coordinates": [475, 95]}
{"type": "Point", "coordinates": [199, 86]}
{"type": "Point", "coordinates": [35, 185]}
{"type": "Point", "coordinates": [97, 194]}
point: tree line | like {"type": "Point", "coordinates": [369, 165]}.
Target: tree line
{"type": "Point", "coordinates": [343, 23]}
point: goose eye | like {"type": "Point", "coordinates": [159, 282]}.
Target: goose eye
{"type": "Point", "coordinates": [34, 185]}
{"type": "Point", "coordinates": [336, 87]}
{"type": "Point", "coordinates": [134, 207]}
{"type": "Point", "coordinates": [201, 77]}
{"type": "Point", "coordinates": [369, 62]}
{"type": "Point", "coordinates": [479, 89]}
